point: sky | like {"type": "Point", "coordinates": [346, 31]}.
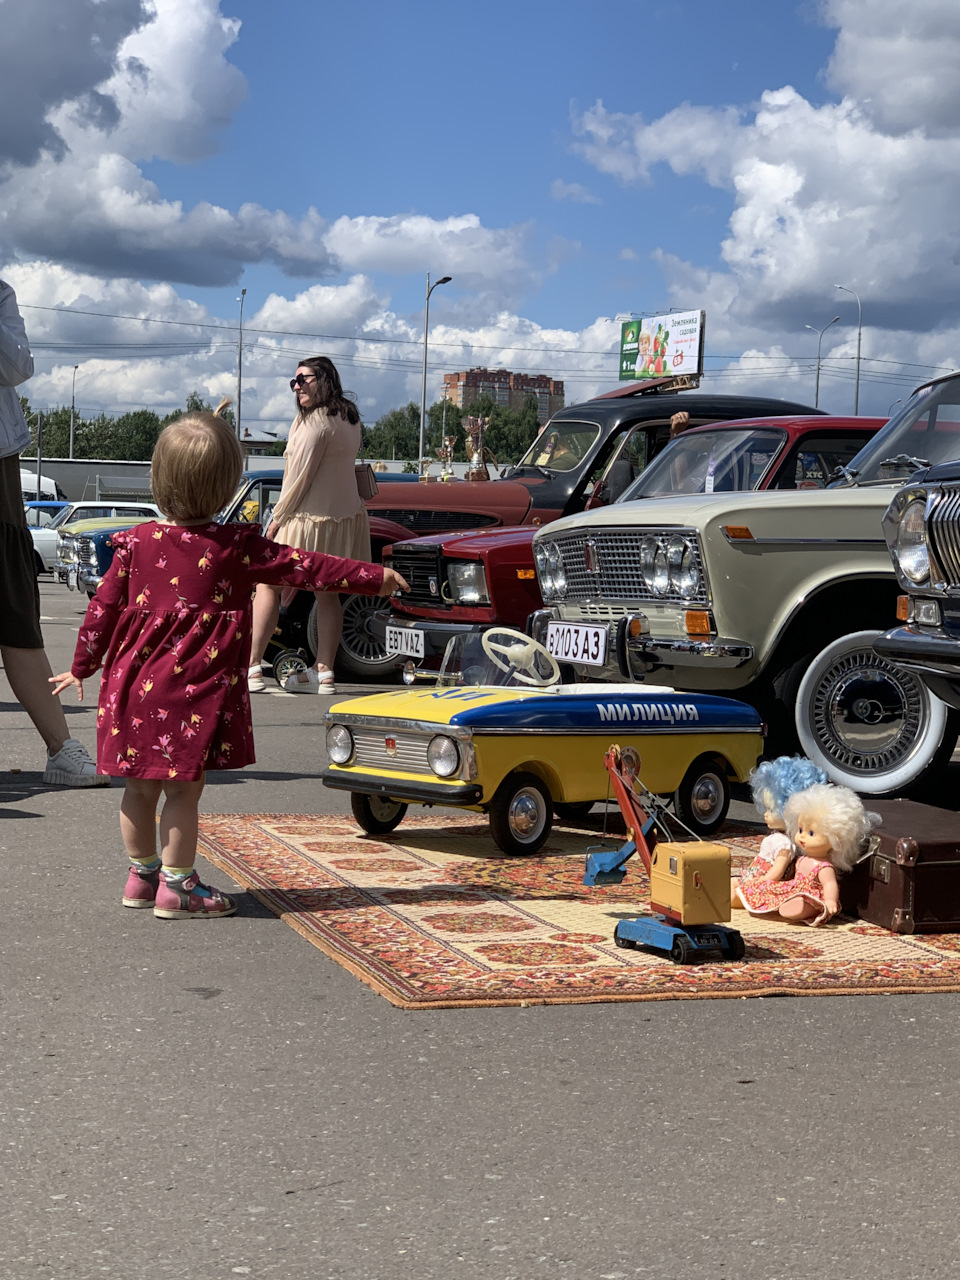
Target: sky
{"type": "Point", "coordinates": [568, 164]}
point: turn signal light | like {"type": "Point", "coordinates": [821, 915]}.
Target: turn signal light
{"type": "Point", "coordinates": [737, 533]}
{"type": "Point", "coordinates": [635, 628]}
{"type": "Point", "coordinates": [697, 622]}
{"type": "Point", "coordinates": [526, 573]}
{"type": "Point", "coordinates": [903, 608]}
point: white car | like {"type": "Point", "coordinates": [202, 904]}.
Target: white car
{"type": "Point", "coordinates": [45, 539]}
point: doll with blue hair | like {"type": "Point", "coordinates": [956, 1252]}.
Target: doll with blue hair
{"type": "Point", "coordinates": [772, 784]}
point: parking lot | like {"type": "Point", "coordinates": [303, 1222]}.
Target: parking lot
{"type": "Point", "coordinates": [224, 1100]}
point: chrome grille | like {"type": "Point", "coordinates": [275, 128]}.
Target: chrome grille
{"type": "Point", "coordinates": [419, 568]}
{"type": "Point", "coordinates": [423, 522]}
{"type": "Point", "coordinates": [944, 533]}
{"type": "Point", "coordinates": [86, 551]}
{"type": "Point", "coordinates": [618, 577]}
{"type": "Point", "coordinates": [411, 754]}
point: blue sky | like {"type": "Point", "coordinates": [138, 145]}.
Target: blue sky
{"type": "Point", "coordinates": [565, 163]}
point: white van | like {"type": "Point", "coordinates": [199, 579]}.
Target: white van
{"type": "Point", "coordinates": [48, 488]}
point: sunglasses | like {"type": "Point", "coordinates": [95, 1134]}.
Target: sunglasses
{"type": "Point", "coordinates": [301, 379]}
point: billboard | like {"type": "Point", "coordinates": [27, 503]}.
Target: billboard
{"type": "Point", "coordinates": [662, 346]}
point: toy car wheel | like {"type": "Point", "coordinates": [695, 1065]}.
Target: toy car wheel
{"type": "Point", "coordinates": [682, 951]}
{"type": "Point", "coordinates": [873, 726]}
{"type": "Point", "coordinates": [703, 797]}
{"type": "Point", "coordinates": [575, 811]}
{"type": "Point", "coordinates": [288, 663]}
{"type": "Point", "coordinates": [621, 941]}
{"type": "Point", "coordinates": [735, 948]}
{"type": "Point", "coordinates": [521, 814]}
{"type": "Point", "coordinates": [376, 814]}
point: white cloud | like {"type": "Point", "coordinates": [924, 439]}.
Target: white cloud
{"type": "Point", "coordinates": [560, 190]}
{"type": "Point", "coordinates": [862, 191]}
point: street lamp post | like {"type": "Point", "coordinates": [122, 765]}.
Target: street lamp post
{"type": "Point", "coordinates": [73, 406]}
{"type": "Point", "coordinates": [819, 333]}
{"type": "Point", "coordinates": [856, 391]}
{"type": "Point", "coordinates": [423, 385]}
{"type": "Point", "coordinates": [243, 294]}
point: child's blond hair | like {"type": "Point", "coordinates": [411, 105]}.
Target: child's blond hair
{"type": "Point", "coordinates": [196, 466]}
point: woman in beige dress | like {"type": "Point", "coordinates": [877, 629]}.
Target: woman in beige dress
{"type": "Point", "coordinates": [319, 509]}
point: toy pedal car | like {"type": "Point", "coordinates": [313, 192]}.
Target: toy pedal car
{"type": "Point", "coordinates": [499, 733]}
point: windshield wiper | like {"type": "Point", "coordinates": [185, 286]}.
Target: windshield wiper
{"type": "Point", "coordinates": [847, 473]}
{"type": "Point", "coordinates": [533, 466]}
{"type": "Point", "coordinates": [906, 460]}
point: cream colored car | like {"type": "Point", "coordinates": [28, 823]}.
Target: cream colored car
{"type": "Point", "coordinates": [774, 597]}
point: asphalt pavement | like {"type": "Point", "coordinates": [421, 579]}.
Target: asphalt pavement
{"type": "Point", "coordinates": [218, 1099]}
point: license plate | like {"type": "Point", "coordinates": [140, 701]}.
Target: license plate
{"type": "Point", "coordinates": [572, 642]}
{"type": "Point", "coordinates": [72, 579]}
{"type": "Point", "coordinates": [406, 641]}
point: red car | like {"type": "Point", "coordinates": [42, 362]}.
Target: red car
{"type": "Point", "coordinates": [467, 582]}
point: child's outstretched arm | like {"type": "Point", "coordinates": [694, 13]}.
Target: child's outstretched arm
{"type": "Point", "coordinates": [274, 563]}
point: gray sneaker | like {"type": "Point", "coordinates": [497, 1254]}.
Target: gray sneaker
{"type": "Point", "coordinates": [73, 767]}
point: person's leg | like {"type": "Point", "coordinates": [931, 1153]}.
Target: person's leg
{"type": "Point", "coordinates": [138, 826]}
{"type": "Point", "coordinates": [180, 895]}
{"type": "Point", "coordinates": [29, 671]}
{"type": "Point", "coordinates": [329, 627]}
{"type": "Point", "coordinates": [266, 611]}
{"type": "Point", "coordinates": [69, 764]}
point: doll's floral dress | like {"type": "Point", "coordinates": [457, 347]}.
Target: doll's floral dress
{"type": "Point", "coordinates": [763, 899]}
{"type": "Point", "coordinates": [171, 626]}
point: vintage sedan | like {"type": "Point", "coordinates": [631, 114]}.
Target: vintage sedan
{"type": "Point", "coordinates": [500, 734]}
{"type": "Point", "coordinates": [85, 549]}
{"type": "Point", "coordinates": [467, 582]}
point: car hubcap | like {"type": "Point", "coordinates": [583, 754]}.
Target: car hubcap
{"type": "Point", "coordinates": [707, 797]}
{"type": "Point", "coordinates": [867, 714]}
{"type": "Point", "coordinates": [357, 638]}
{"type": "Point", "coordinates": [527, 815]}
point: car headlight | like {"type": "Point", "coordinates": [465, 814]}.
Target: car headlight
{"type": "Point", "coordinates": [340, 746]}
{"type": "Point", "coordinates": [911, 545]}
{"type": "Point", "coordinates": [468, 582]}
{"type": "Point", "coordinates": [682, 562]}
{"type": "Point", "coordinates": [648, 556]}
{"type": "Point", "coordinates": [443, 756]}
{"type": "Point", "coordinates": [551, 574]}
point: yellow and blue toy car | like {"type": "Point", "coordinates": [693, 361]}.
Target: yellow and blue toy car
{"type": "Point", "coordinates": [499, 733]}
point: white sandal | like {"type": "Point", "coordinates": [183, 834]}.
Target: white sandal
{"type": "Point", "coordinates": [255, 680]}
{"type": "Point", "coordinates": [315, 682]}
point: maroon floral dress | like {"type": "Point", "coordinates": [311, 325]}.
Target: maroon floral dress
{"type": "Point", "coordinates": [171, 626]}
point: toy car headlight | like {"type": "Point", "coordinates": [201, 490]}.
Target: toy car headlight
{"type": "Point", "coordinates": [340, 746]}
{"type": "Point", "coordinates": [682, 562]}
{"type": "Point", "coordinates": [443, 756]}
{"type": "Point", "coordinates": [468, 582]}
{"type": "Point", "coordinates": [911, 544]}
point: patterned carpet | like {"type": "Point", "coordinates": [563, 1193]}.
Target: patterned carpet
{"type": "Point", "coordinates": [435, 917]}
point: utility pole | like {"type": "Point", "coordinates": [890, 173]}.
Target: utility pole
{"type": "Point", "coordinates": [73, 406]}
{"type": "Point", "coordinates": [243, 294]}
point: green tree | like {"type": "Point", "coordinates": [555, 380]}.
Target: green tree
{"type": "Point", "coordinates": [394, 435]}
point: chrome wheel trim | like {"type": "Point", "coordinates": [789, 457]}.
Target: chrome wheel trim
{"type": "Point", "coordinates": [526, 815]}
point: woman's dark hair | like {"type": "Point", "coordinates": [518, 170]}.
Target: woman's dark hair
{"type": "Point", "coordinates": [330, 394]}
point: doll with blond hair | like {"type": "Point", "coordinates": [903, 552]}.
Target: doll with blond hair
{"type": "Point", "coordinates": [772, 783]}
{"type": "Point", "coordinates": [828, 825]}
{"type": "Point", "coordinates": [170, 624]}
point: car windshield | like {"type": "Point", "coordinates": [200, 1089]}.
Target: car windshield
{"type": "Point", "coordinates": [60, 518]}
{"type": "Point", "coordinates": [709, 462]}
{"type": "Point", "coordinates": [560, 446]}
{"type": "Point", "coordinates": [497, 657]}
{"type": "Point", "coordinates": [925, 431]}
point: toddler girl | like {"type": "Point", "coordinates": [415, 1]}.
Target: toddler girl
{"type": "Point", "coordinates": [171, 626]}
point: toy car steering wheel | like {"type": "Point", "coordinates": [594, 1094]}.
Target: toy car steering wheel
{"type": "Point", "coordinates": [520, 659]}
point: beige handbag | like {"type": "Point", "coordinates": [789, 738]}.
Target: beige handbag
{"type": "Point", "coordinates": [366, 481]}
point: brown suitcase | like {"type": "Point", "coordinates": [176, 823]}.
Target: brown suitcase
{"type": "Point", "coordinates": [908, 880]}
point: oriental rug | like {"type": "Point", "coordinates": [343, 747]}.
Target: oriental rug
{"type": "Point", "coordinates": [434, 916]}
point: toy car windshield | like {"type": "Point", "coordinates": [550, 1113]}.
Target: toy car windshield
{"type": "Point", "coordinates": [498, 657]}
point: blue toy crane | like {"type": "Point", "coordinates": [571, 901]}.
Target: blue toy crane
{"type": "Point", "coordinates": [689, 882]}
